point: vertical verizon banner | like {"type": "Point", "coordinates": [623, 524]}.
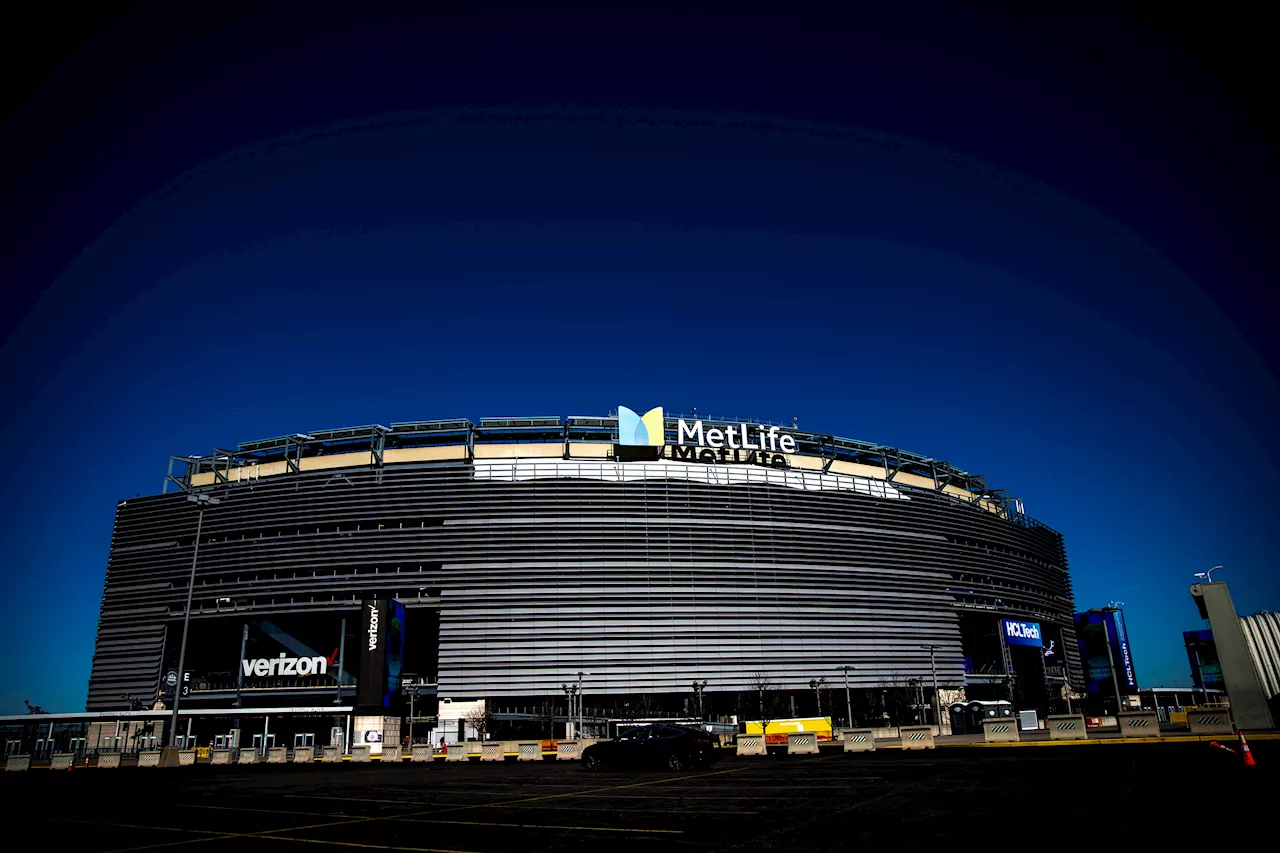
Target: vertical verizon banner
{"type": "Point", "coordinates": [373, 652]}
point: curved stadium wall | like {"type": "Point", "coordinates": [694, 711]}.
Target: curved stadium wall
{"type": "Point", "coordinates": [546, 549]}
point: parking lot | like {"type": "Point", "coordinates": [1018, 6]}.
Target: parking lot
{"type": "Point", "coordinates": [948, 797]}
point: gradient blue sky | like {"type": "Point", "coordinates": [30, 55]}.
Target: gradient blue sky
{"type": "Point", "coordinates": [1033, 251]}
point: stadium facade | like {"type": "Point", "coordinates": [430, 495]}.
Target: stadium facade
{"type": "Point", "coordinates": [647, 552]}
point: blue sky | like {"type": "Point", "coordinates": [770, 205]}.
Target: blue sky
{"type": "Point", "coordinates": [1042, 276]}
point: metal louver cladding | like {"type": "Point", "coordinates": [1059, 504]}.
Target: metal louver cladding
{"type": "Point", "coordinates": [646, 582]}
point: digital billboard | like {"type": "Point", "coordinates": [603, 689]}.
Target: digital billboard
{"type": "Point", "coordinates": [372, 639]}
{"type": "Point", "coordinates": [1021, 633]}
{"type": "Point", "coordinates": [1093, 631]}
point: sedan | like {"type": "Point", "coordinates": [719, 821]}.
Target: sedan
{"type": "Point", "coordinates": [673, 747]}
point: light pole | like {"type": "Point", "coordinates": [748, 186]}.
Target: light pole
{"type": "Point", "coordinates": [571, 690]}
{"type": "Point", "coordinates": [413, 695]}
{"type": "Point", "coordinates": [937, 706]}
{"type": "Point", "coordinates": [200, 499]}
{"type": "Point", "coordinates": [848, 702]}
{"type": "Point", "coordinates": [579, 732]}
{"type": "Point", "coordinates": [698, 687]}
{"type": "Point", "coordinates": [816, 685]}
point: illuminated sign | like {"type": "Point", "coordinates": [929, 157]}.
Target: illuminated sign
{"type": "Point", "coordinates": [1022, 633]}
{"type": "Point", "coordinates": [283, 665]}
{"type": "Point", "coordinates": [698, 442]}
{"type": "Point", "coordinates": [647, 430]}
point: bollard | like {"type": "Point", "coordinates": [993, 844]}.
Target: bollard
{"type": "Point", "coordinates": [1139, 724]}
{"type": "Point", "coordinates": [491, 750]}
{"type": "Point", "coordinates": [361, 752]}
{"type": "Point", "coordinates": [330, 755]}
{"type": "Point", "coordinates": [802, 743]}
{"type": "Point", "coordinates": [392, 754]}
{"type": "Point", "coordinates": [858, 740]}
{"type": "Point", "coordinates": [108, 759]}
{"type": "Point", "coordinates": [248, 756]}
{"type": "Point", "coordinates": [17, 762]}
{"type": "Point", "coordinates": [186, 757]}
{"type": "Point", "coordinates": [752, 745]}
{"type": "Point", "coordinates": [529, 750]}
{"type": "Point", "coordinates": [568, 750]}
{"type": "Point", "coordinates": [1067, 727]}
{"type": "Point", "coordinates": [62, 760]}
{"type": "Point", "coordinates": [421, 752]}
{"type": "Point", "coordinates": [218, 756]}
{"type": "Point", "coordinates": [304, 754]}
{"type": "Point", "coordinates": [1210, 722]}
{"type": "Point", "coordinates": [149, 758]}
{"type": "Point", "coordinates": [916, 737]}
{"type": "Point", "coordinates": [276, 755]}
{"type": "Point", "coordinates": [1000, 730]}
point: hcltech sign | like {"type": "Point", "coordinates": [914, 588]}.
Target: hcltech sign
{"type": "Point", "coordinates": [1022, 633]}
{"type": "Point", "coordinates": [754, 444]}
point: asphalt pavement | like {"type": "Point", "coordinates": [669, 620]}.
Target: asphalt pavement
{"type": "Point", "coordinates": [1023, 799]}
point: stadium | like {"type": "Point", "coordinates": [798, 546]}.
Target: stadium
{"type": "Point", "coordinates": [658, 563]}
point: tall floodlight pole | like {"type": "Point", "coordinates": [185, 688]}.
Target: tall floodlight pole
{"type": "Point", "coordinates": [937, 705]}
{"type": "Point", "coordinates": [848, 702]}
{"type": "Point", "coordinates": [200, 499]}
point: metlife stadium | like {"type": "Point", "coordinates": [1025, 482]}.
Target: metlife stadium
{"type": "Point", "coordinates": [647, 552]}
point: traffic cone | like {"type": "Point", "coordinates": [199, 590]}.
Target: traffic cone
{"type": "Point", "coordinates": [1217, 745]}
{"type": "Point", "coordinates": [1245, 753]}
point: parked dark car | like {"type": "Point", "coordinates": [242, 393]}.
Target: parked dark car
{"type": "Point", "coordinates": [673, 747]}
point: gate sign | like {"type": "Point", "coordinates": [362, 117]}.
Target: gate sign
{"type": "Point", "coordinates": [1021, 633]}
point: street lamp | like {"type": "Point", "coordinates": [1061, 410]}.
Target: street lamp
{"type": "Point", "coordinates": [816, 685]}
{"type": "Point", "coordinates": [698, 687]}
{"type": "Point", "coordinates": [1208, 576]}
{"type": "Point", "coordinates": [571, 690]}
{"type": "Point", "coordinates": [937, 706]}
{"type": "Point", "coordinates": [848, 702]}
{"type": "Point", "coordinates": [201, 500]}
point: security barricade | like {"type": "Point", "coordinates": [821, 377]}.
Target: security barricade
{"type": "Point", "coordinates": [392, 754]}
{"type": "Point", "coordinates": [17, 762]}
{"type": "Point", "coordinates": [1067, 727]}
{"type": "Point", "coordinates": [916, 737]}
{"type": "Point", "coordinates": [108, 759]}
{"type": "Point", "coordinates": [248, 756]}
{"type": "Point", "coordinates": [304, 754]}
{"type": "Point", "coordinates": [277, 755]}
{"type": "Point", "coordinates": [186, 757]}
{"type": "Point", "coordinates": [752, 745]}
{"type": "Point", "coordinates": [361, 752]}
{"type": "Point", "coordinates": [62, 760]}
{"type": "Point", "coordinates": [858, 740]}
{"type": "Point", "coordinates": [568, 750]}
{"type": "Point", "coordinates": [1000, 730]}
{"type": "Point", "coordinates": [149, 758]}
{"type": "Point", "coordinates": [421, 752]}
{"type": "Point", "coordinates": [492, 750]}
{"type": "Point", "coordinates": [529, 750]}
{"type": "Point", "coordinates": [1139, 724]}
{"type": "Point", "coordinates": [218, 756]}
{"type": "Point", "coordinates": [330, 755]}
{"type": "Point", "coordinates": [1215, 722]}
{"type": "Point", "coordinates": [802, 743]}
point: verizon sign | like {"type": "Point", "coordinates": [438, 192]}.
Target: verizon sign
{"type": "Point", "coordinates": [284, 665]}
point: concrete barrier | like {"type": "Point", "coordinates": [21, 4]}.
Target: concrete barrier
{"type": "Point", "coordinates": [1067, 727]}
{"type": "Point", "coordinates": [569, 750]}
{"type": "Point", "coordinates": [62, 760]}
{"type": "Point", "coordinates": [108, 759]}
{"type": "Point", "coordinates": [186, 757]}
{"type": "Point", "coordinates": [149, 758]}
{"type": "Point", "coordinates": [1000, 730]}
{"type": "Point", "coordinates": [18, 762]}
{"type": "Point", "coordinates": [1139, 724]}
{"type": "Point", "coordinates": [752, 745]}
{"type": "Point", "coordinates": [392, 754]}
{"type": "Point", "coordinates": [277, 755]}
{"type": "Point", "coordinates": [492, 750]}
{"type": "Point", "coordinates": [248, 756]}
{"type": "Point", "coordinates": [529, 750]}
{"type": "Point", "coordinates": [218, 756]}
{"type": "Point", "coordinates": [916, 737]}
{"type": "Point", "coordinates": [330, 755]}
{"type": "Point", "coordinates": [421, 752]}
{"type": "Point", "coordinates": [802, 743]}
{"type": "Point", "coordinates": [1215, 722]}
{"type": "Point", "coordinates": [304, 754]}
{"type": "Point", "coordinates": [858, 740]}
{"type": "Point", "coordinates": [361, 752]}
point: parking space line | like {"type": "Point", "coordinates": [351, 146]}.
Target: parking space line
{"type": "Point", "coordinates": [560, 827]}
{"type": "Point", "coordinates": [362, 844]}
